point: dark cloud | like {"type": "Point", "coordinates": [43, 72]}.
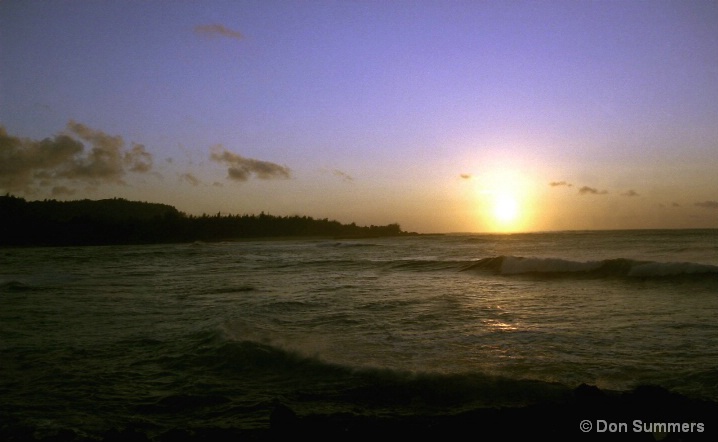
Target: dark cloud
{"type": "Point", "coordinates": [108, 159]}
{"type": "Point", "coordinates": [26, 163]}
{"type": "Point", "coordinates": [591, 191]}
{"type": "Point", "coordinates": [241, 168]}
{"type": "Point", "coordinates": [560, 183]}
{"type": "Point", "coordinates": [188, 177]}
{"type": "Point", "coordinates": [630, 193]}
{"type": "Point", "coordinates": [675, 205]}
{"type": "Point", "coordinates": [708, 204]}
{"type": "Point", "coordinates": [217, 30]}
{"type": "Point", "coordinates": [22, 160]}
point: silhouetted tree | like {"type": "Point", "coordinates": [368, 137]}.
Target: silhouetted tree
{"type": "Point", "coordinates": [118, 221]}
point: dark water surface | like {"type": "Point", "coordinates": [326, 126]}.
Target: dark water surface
{"type": "Point", "coordinates": [167, 337]}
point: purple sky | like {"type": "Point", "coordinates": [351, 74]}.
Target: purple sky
{"type": "Point", "coordinates": [432, 114]}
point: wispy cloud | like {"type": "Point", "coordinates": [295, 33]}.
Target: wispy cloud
{"type": "Point", "coordinates": [585, 190]}
{"type": "Point", "coordinates": [559, 184]}
{"type": "Point", "coordinates": [217, 30]}
{"type": "Point", "coordinates": [62, 160]}
{"type": "Point", "coordinates": [241, 168]}
{"type": "Point", "coordinates": [190, 178]}
{"type": "Point", "coordinates": [708, 204]}
{"type": "Point", "coordinates": [630, 193]}
{"type": "Point", "coordinates": [343, 175]}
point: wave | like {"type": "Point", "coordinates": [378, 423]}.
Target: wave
{"type": "Point", "coordinates": [291, 370]}
{"type": "Point", "coordinates": [619, 267]}
{"type": "Point", "coordinates": [228, 289]}
{"type": "Point", "coordinates": [346, 244]}
{"type": "Point", "coordinates": [304, 377]}
{"type": "Point", "coordinates": [231, 377]}
{"type": "Point", "coordinates": [424, 264]}
{"type": "Point", "coordinates": [16, 286]}
{"type": "Point", "coordinates": [509, 265]}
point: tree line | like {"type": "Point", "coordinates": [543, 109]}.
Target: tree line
{"type": "Point", "coordinates": [119, 221]}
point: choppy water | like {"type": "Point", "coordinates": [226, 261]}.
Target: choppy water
{"type": "Point", "coordinates": [209, 335]}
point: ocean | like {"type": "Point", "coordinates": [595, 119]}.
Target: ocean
{"type": "Point", "coordinates": [185, 337]}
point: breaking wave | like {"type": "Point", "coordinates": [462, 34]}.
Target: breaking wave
{"type": "Point", "coordinates": [299, 371]}
{"type": "Point", "coordinates": [619, 267]}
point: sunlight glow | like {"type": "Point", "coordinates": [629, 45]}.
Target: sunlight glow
{"type": "Point", "coordinates": [505, 201]}
{"type": "Point", "coordinates": [506, 208]}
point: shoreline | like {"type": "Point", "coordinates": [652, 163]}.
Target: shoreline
{"type": "Point", "coordinates": [646, 413]}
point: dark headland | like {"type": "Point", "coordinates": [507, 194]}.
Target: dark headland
{"type": "Point", "coordinates": [119, 221]}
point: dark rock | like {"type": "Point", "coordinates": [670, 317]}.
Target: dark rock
{"type": "Point", "coordinates": [282, 418]}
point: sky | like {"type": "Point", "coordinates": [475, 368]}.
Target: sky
{"type": "Point", "coordinates": [442, 116]}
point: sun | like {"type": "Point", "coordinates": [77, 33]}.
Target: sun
{"type": "Point", "coordinates": [506, 209]}
{"type": "Point", "coordinates": [503, 200]}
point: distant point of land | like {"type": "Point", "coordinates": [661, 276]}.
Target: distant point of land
{"type": "Point", "coordinates": [119, 221]}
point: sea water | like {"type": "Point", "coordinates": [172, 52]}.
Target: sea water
{"type": "Point", "coordinates": [213, 334]}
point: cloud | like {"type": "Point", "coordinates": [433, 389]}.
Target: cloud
{"type": "Point", "coordinates": [560, 183]}
{"type": "Point", "coordinates": [591, 190]}
{"type": "Point", "coordinates": [217, 30]}
{"type": "Point", "coordinates": [190, 178]}
{"type": "Point", "coordinates": [241, 168]}
{"type": "Point", "coordinates": [675, 205]}
{"type": "Point", "coordinates": [139, 159]}
{"type": "Point", "coordinates": [466, 176]}
{"type": "Point", "coordinates": [343, 175]}
{"type": "Point", "coordinates": [630, 193]}
{"type": "Point", "coordinates": [107, 160]}
{"type": "Point", "coordinates": [708, 205]}
{"type": "Point", "coordinates": [26, 164]}
{"type": "Point", "coordinates": [22, 161]}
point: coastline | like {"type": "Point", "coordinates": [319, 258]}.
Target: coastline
{"type": "Point", "coordinates": [587, 413]}
{"type": "Point", "coordinates": [646, 413]}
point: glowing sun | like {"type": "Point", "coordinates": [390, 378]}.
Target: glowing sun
{"type": "Point", "coordinates": [505, 201]}
{"type": "Point", "coordinates": [506, 209]}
